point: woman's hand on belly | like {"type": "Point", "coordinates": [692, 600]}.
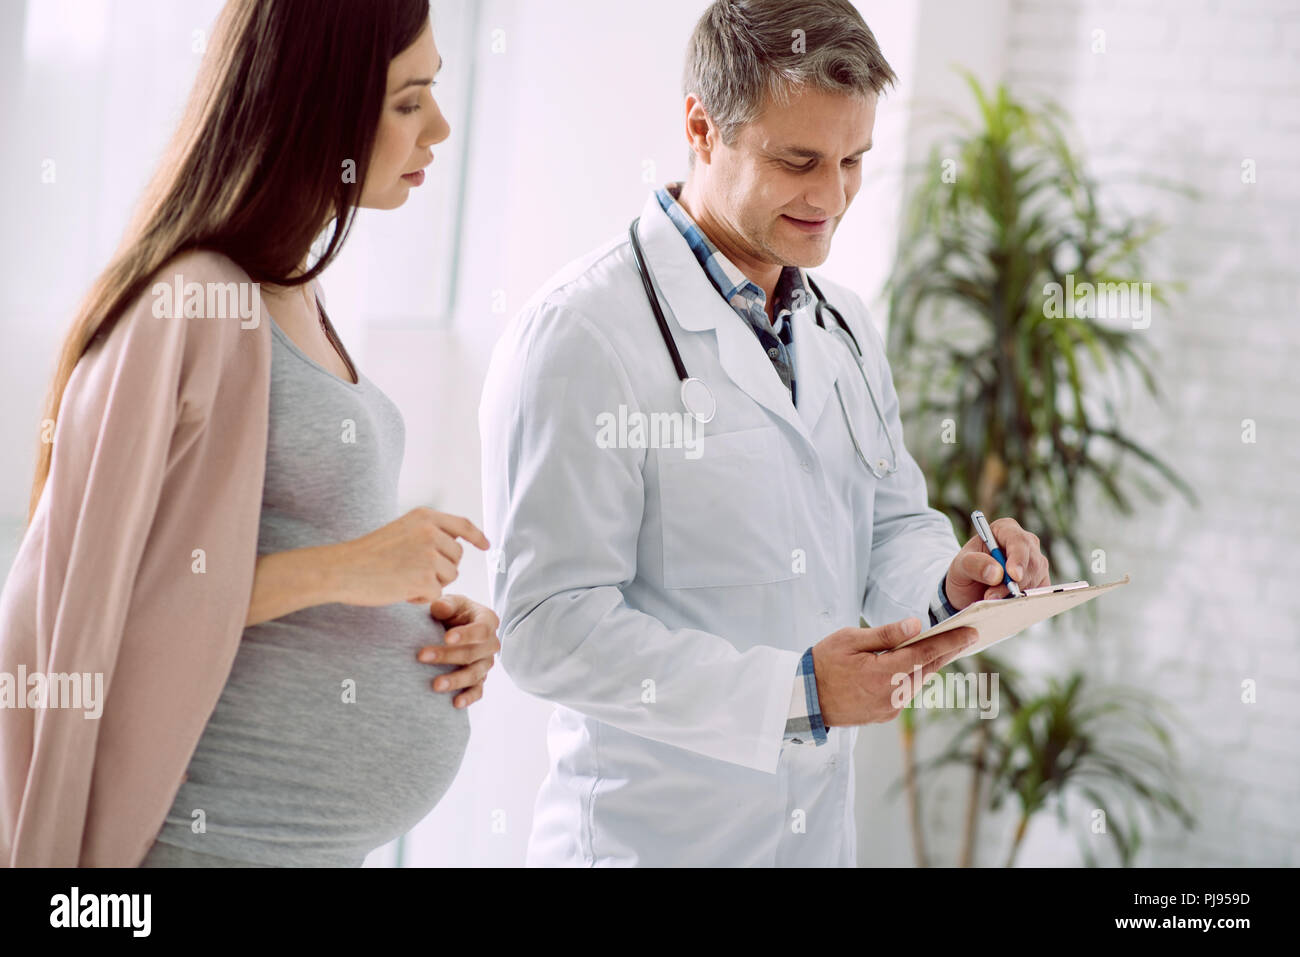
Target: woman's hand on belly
{"type": "Point", "coordinates": [471, 640]}
{"type": "Point", "coordinates": [410, 559]}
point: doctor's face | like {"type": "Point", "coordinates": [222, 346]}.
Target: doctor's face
{"type": "Point", "coordinates": [409, 123]}
{"type": "Point", "coordinates": [778, 193]}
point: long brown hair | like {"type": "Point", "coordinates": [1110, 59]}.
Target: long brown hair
{"type": "Point", "coordinates": [289, 91]}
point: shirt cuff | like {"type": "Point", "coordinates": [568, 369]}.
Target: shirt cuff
{"type": "Point", "coordinates": [804, 724]}
{"type": "Point", "coordinates": [940, 608]}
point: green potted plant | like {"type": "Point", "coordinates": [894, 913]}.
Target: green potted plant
{"type": "Point", "coordinates": [1003, 221]}
{"type": "Point", "coordinates": [1004, 366]}
{"type": "Point", "coordinates": [1108, 745]}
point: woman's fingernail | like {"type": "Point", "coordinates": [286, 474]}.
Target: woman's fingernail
{"type": "Point", "coordinates": [428, 655]}
{"type": "Point", "coordinates": [452, 639]}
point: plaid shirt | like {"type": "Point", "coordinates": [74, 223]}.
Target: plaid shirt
{"type": "Point", "coordinates": [742, 293]}
{"type": "Point", "coordinates": [804, 721]}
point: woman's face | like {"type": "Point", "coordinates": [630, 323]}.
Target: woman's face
{"type": "Point", "coordinates": [410, 122]}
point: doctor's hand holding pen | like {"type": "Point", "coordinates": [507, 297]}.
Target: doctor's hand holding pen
{"type": "Point", "coordinates": [977, 571]}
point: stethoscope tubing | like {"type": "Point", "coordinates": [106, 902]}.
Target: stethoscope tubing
{"type": "Point", "coordinates": [842, 332]}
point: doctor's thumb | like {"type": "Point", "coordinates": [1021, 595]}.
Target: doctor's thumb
{"type": "Point", "coordinates": [886, 637]}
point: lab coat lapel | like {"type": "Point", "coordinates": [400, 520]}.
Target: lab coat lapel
{"type": "Point", "coordinates": [694, 302]}
{"type": "Point", "coordinates": [815, 364]}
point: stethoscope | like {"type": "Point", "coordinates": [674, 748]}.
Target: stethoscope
{"type": "Point", "coordinates": [697, 397]}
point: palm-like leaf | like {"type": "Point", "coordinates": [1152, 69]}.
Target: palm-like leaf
{"type": "Point", "coordinates": [972, 341]}
{"type": "Point", "coordinates": [1107, 744]}
{"type": "Point", "coordinates": [1032, 394]}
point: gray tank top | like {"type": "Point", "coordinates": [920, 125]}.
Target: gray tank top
{"type": "Point", "coordinates": [327, 741]}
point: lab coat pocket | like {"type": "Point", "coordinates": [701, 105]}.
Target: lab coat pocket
{"type": "Point", "coordinates": [726, 519]}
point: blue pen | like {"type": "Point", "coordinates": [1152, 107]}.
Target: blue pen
{"type": "Point", "coordinates": [986, 536]}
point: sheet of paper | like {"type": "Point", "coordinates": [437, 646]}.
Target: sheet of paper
{"type": "Point", "coordinates": [999, 618]}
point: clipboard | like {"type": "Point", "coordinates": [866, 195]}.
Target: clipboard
{"type": "Point", "coordinates": [997, 619]}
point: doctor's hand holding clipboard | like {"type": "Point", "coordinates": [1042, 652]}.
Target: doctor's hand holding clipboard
{"type": "Point", "coordinates": [862, 689]}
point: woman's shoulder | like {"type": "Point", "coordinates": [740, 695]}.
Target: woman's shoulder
{"type": "Point", "coordinates": [208, 294]}
{"type": "Point", "coordinates": [198, 283]}
{"type": "Point", "coordinates": [197, 320]}
{"type": "Point", "coordinates": [203, 262]}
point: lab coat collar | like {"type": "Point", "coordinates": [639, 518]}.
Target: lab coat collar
{"type": "Point", "coordinates": [696, 305]}
{"type": "Point", "coordinates": [684, 286]}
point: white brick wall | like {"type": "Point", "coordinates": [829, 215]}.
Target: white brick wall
{"type": "Point", "coordinates": [1188, 89]}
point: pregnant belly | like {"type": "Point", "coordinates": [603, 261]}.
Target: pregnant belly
{"type": "Point", "coordinates": [328, 724]}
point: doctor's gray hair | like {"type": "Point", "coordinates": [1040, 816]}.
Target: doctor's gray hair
{"type": "Point", "coordinates": [743, 52]}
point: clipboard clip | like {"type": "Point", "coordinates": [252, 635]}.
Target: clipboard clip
{"type": "Point", "coordinates": [1053, 589]}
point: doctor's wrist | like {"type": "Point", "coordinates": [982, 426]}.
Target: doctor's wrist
{"type": "Point", "coordinates": [818, 680]}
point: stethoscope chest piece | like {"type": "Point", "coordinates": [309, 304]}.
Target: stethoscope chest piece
{"type": "Point", "coordinates": [698, 400]}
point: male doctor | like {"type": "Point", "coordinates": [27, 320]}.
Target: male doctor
{"type": "Point", "coordinates": [690, 597]}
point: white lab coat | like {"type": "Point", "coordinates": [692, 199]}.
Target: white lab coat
{"type": "Point", "coordinates": [663, 599]}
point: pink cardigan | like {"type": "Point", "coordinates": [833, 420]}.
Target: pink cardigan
{"type": "Point", "coordinates": [159, 451]}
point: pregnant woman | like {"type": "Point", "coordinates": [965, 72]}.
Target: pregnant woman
{"type": "Point", "coordinates": [214, 533]}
